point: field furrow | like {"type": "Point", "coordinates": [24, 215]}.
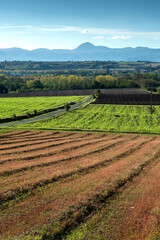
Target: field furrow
{"type": "Point", "coordinates": [18, 146]}
{"type": "Point", "coordinates": [24, 134]}
{"type": "Point", "coordinates": [50, 151]}
{"type": "Point", "coordinates": [34, 135]}
{"type": "Point", "coordinates": [17, 167]}
{"type": "Point", "coordinates": [14, 167]}
{"type": "Point", "coordinates": [83, 182]}
{"type": "Point", "coordinates": [30, 147]}
{"type": "Point", "coordinates": [11, 134]}
{"type": "Point", "coordinates": [68, 154]}
{"type": "Point", "coordinates": [134, 214]}
{"type": "Point", "coordinates": [54, 171]}
{"type": "Point", "coordinates": [46, 136]}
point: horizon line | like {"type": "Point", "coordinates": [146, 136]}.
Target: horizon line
{"type": "Point", "coordinates": [51, 49]}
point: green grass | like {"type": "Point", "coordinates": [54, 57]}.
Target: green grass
{"type": "Point", "coordinates": [21, 106]}
{"type": "Point", "coordinates": [2, 131]}
{"type": "Point", "coordinates": [120, 118]}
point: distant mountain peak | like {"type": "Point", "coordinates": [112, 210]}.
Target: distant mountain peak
{"type": "Point", "coordinates": [86, 46]}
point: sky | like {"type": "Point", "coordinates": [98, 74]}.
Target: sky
{"type": "Point", "coordinates": [65, 24]}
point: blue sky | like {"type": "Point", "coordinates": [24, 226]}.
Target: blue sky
{"type": "Point", "coordinates": [65, 24]}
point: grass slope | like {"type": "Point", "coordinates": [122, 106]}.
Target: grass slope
{"type": "Point", "coordinates": [105, 117]}
{"type": "Point", "coordinates": [20, 106]}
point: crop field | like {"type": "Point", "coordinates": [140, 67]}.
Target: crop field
{"type": "Point", "coordinates": [120, 118]}
{"type": "Point", "coordinates": [50, 93]}
{"type": "Point", "coordinates": [70, 185]}
{"type": "Point", "coordinates": [20, 106]}
{"type": "Point", "coordinates": [73, 92]}
{"type": "Point", "coordinates": [128, 99]}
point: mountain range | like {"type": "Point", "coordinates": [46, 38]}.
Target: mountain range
{"type": "Point", "coordinates": [85, 52]}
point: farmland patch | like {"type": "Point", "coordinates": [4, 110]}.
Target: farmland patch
{"type": "Point", "coordinates": [22, 106]}
{"type": "Point", "coordinates": [120, 118]}
{"type": "Point", "coordinates": [49, 196]}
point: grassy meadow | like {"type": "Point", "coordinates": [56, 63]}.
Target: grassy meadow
{"type": "Point", "coordinates": [22, 105]}
{"type": "Point", "coordinates": [120, 118]}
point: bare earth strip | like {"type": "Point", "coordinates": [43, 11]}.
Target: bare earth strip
{"type": "Point", "coordinates": [48, 187]}
{"type": "Point", "coordinates": [53, 143]}
{"type": "Point", "coordinates": [46, 173]}
{"type": "Point", "coordinates": [38, 141]}
{"type": "Point", "coordinates": [62, 151]}
{"type": "Point", "coordinates": [134, 214]}
{"type": "Point", "coordinates": [46, 136]}
{"type": "Point", "coordinates": [40, 144]}
{"type": "Point", "coordinates": [57, 166]}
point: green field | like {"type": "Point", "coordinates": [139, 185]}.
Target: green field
{"type": "Point", "coordinates": [120, 118]}
{"type": "Point", "coordinates": [2, 131]}
{"type": "Point", "coordinates": [22, 105]}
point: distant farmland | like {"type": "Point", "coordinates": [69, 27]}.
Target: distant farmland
{"type": "Point", "coordinates": [127, 99]}
{"type": "Point", "coordinates": [64, 185]}
{"type": "Point", "coordinates": [73, 92]}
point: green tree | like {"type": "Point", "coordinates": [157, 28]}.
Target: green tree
{"type": "Point", "coordinates": [37, 84]}
{"type": "Point", "coordinates": [158, 90]}
{"type": "Point", "coordinates": [67, 107]}
{"type": "Point", "coordinates": [3, 89]}
{"type": "Point", "coordinates": [97, 93]}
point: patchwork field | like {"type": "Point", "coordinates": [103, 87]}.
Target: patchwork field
{"type": "Point", "coordinates": [23, 105]}
{"type": "Point", "coordinates": [69, 185]}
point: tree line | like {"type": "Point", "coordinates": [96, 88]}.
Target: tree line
{"type": "Point", "coordinates": [62, 82]}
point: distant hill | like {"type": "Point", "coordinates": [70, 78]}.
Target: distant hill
{"type": "Point", "coordinates": [85, 52]}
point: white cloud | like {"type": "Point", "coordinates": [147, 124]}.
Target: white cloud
{"type": "Point", "coordinates": [98, 37]}
{"type": "Point", "coordinates": [97, 33]}
{"type": "Point", "coordinates": [120, 37]}
{"type": "Point", "coordinates": [112, 33]}
{"type": "Point", "coordinates": [84, 31]}
{"type": "Point", "coordinates": [56, 28]}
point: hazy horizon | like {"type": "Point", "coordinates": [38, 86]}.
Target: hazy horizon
{"type": "Point", "coordinates": [77, 47]}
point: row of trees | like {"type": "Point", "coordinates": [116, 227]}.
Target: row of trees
{"type": "Point", "coordinates": [60, 82]}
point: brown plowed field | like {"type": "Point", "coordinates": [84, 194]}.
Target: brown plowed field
{"type": "Point", "coordinates": [127, 99]}
{"type": "Point", "coordinates": [54, 176]}
{"type": "Point", "coordinates": [73, 92]}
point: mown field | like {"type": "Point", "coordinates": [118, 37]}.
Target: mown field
{"type": "Point", "coordinates": [120, 118]}
{"type": "Point", "coordinates": [69, 185]}
{"type": "Point", "coordinates": [22, 105]}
